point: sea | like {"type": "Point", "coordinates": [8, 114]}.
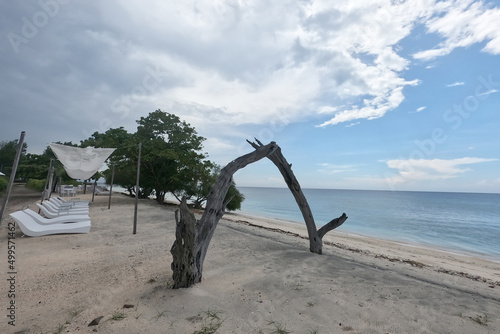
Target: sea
{"type": "Point", "coordinates": [466, 223]}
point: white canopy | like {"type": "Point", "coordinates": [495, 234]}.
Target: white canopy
{"type": "Point", "coordinates": [81, 163]}
{"type": "Point", "coordinates": [2, 174]}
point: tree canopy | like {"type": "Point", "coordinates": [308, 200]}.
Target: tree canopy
{"type": "Point", "coordinates": [172, 160]}
{"type": "Point", "coordinates": [8, 154]}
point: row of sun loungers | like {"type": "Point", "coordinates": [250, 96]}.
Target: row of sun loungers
{"type": "Point", "coordinates": [60, 217]}
{"type": "Point", "coordinates": [55, 208]}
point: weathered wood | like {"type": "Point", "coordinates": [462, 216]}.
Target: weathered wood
{"type": "Point", "coordinates": [193, 237]}
{"type": "Point", "coordinates": [315, 242]}
{"type": "Point", "coordinates": [333, 224]}
{"type": "Point", "coordinates": [184, 265]}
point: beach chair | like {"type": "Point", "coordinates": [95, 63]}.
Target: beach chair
{"type": "Point", "coordinates": [58, 209]}
{"type": "Point", "coordinates": [101, 191]}
{"type": "Point", "coordinates": [63, 219]}
{"type": "Point", "coordinates": [73, 200]}
{"type": "Point", "coordinates": [73, 204]}
{"type": "Point", "coordinates": [31, 228]}
{"type": "Point", "coordinates": [51, 214]}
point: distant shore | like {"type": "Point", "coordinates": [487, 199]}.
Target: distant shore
{"type": "Point", "coordinates": [259, 276]}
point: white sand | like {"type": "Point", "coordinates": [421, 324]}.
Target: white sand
{"type": "Point", "coordinates": [256, 280]}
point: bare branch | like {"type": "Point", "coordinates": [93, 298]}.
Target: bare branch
{"type": "Point", "coordinates": [333, 224]}
{"type": "Point", "coordinates": [193, 237]}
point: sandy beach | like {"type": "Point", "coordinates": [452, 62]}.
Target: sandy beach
{"type": "Point", "coordinates": [259, 277]}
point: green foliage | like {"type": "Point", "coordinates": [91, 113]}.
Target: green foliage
{"type": "Point", "coordinates": [35, 184]}
{"type": "Point", "coordinates": [212, 323]}
{"type": "Point", "coordinates": [236, 198]}
{"type": "Point", "coordinates": [33, 166]}
{"type": "Point", "coordinates": [170, 152]}
{"type": "Point", "coordinates": [171, 159]}
{"type": "Point", "coordinates": [36, 166]}
{"type": "Point", "coordinates": [124, 158]}
{"type": "Point", "coordinates": [3, 183]}
{"type": "Point", "coordinates": [118, 316]}
{"type": "Point", "coordinates": [198, 189]}
{"type": "Point", "coordinates": [8, 151]}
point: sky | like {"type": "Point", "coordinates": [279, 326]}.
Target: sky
{"type": "Point", "coordinates": [385, 95]}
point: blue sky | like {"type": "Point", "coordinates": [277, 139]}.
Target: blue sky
{"type": "Point", "coordinates": [390, 95]}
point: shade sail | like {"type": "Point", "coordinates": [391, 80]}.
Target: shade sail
{"type": "Point", "coordinates": [2, 174]}
{"type": "Point", "coordinates": [81, 163]}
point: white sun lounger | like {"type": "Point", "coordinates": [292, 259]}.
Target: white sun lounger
{"type": "Point", "coordinates": [31, 228]}
{"type": "Point", "coordinates": [62, 201]}
{"type": "Point", "coordinates": [57, 218]}
{"type": "Point", "coordinates": [73, 200]}
{"type": "Point", "coordinates": [70, 205]}
{"type": "Point", "coordinates": [57, 209]}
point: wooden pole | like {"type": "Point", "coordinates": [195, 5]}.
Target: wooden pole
{"type": "Point", "coordinates": [48, 182]}
{"type": "Point", "coordinates": [137, 188]}
{"type": "Point", "coordinates": [93, 189]}
{"type": "Point", "coordinates": [111, 186]}
{"type": "Point", "coordinates": [13, 174]}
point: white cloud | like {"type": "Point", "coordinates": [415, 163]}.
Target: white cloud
{"type": "Point", "coordinates": [463, 23]}
{"type": "Point", "coordinates": [223, 59]}
{"type": "Point", "coordinates": [491, 91]}
{"type": "Point", "coordinates": [224, 63]}
{"type": "Point", "coordinates": [419, 109]}
{"type": "Point", "coordinates": [411, 170]}
{"type": "Point", "coordinates": [458, 83]}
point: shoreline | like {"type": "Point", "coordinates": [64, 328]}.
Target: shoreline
{"type": "Point", "coordinates": [454, 223]}
{"type": "Point", "coordinates": [454, 251]}
{"type": "Point", "coordinates": [458, 264]}
{"type": "Point", "coordinates": [258, 276]}
{"type": "Point", "coordinates": [446, 249]}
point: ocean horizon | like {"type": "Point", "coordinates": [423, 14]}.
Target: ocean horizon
{"type": "Point", "coordinates": [467, 223]}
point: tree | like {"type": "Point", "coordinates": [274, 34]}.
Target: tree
{"type": "Point", "coordinates": [33, 166]}
{"type": "Point", "coordinates": [171, 157]}
{"type": "Point", "coordinates": [233, 198]}
{"type": "Point", "coordinates": [192, 237]}
{"type": "Point", "coordinates": [8, 153]}
{"type": "Point", "coordinates": [198, 189]}
{"type": "Point", "coordinates": [124, 157]}
{"type": "Point", "coordinates": [171, 151]}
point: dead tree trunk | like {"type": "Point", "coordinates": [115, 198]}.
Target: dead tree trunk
{"type": "Point", "coordinates": [193, 237]}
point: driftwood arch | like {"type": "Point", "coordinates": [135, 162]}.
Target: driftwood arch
{"type": "Point", "coordinates": [192, 237]}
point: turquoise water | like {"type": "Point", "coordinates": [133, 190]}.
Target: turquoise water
{"type": "Point", "coordinates": [461, 222]}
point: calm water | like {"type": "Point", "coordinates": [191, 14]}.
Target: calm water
{"type": "Point", "coordinates": [463, 222]}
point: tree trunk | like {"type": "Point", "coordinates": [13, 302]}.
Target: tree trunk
{"type": "Point", "coordinates": [193, 237]}
{"type": "Point", "coordinates": [185, 264]}
{"type": "Point", "coordinates": [160, 197]}
{"type": "Point", "coordinates": [315, 242]}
